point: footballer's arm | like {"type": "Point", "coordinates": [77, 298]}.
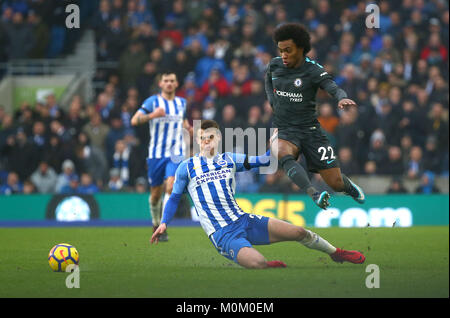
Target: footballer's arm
{"type": "Point", "coordinates": [188, 127]}
{"type": "Point", "coordinates": [268, 85]}
{"type": "Point", "coordinates": [245, 162]}
{"type": "Point", "coordinates": [338, 93]}
{"type": "Point", "coordinates": [141, 118]}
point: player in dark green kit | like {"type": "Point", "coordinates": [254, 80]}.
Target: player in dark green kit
{"type": "Point", "coordinates": [291, 82]}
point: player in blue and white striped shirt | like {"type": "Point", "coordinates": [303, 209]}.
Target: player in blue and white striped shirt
{"type": "Point", "coordinates": [165, 113]}
{"type": "Point", "coordinates": [209, 179]}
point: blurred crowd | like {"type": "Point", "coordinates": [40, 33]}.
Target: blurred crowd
{"type": "Point", "coordinates": [397, 74]}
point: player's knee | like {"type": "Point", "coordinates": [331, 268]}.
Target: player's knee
{"type": "Point", "coordinates": [154, 199]}
{"type": "Point", "coordinates": [300, 233]}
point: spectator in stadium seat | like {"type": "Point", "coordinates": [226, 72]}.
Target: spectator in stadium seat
{"type": "Point", "coordinates": [20, 37]}
{"type": "Point", "coordinates": [115, 39]}
{"type": "Point", "coordinates": [56, 112]}
{"type": "Point", "coordinates": [7, 128]}
{"type": "Point", "coordinates": [179, 14]}
{"type": "Point", "coordinates": [209, 108]}
{"type": "Point", "coordinates": [396, 186]}
{"type": "Point", "coordinates": [115, 183]}
{"type": "Point", "coordinates": [229, 119]}
{"type": "Point", "coordinates": [328, 121]}
{"type": "Point", "coordinates": [169, 52]}
{"type": "Point", "coordinates": [101, 18]}
{"type": "Point", "coordinates": [146, 79]}
{"type": "Point", "coordinates": [394, 165]}
{"type": "Point", "coordinates": [370, 168]}
{"type": "Point", "coordinates": [72, 187]}
{"type": "Point", "coordinates": [96, 131]}
{"type": "Point", "coordinates": [415, 163]}
{"type": "Point", "coordinates": [347, 130]}
{"type": "Point", "coordinates": [55, 152]}
{"type": "Point", "coordinates": [206, 64]}
{"type": "Point", "coordinates": [170, 31]}
{"type": "Point", "coordinates": [194, 10]}
{"type": "Point", "coordinates": [105, 104]}
{"type": "Point", "coordinates": [323, 41]}
{"type": "Point", "coordinates": [41, 36]}
{"type": "Point", "coordinates": [217, 82]}
{"type": "Point", "coordinates": [63, 179]}
{"type": "Point", "coordinates": [190, 91]}
{"type": "Point", "coordinates": [181, 66]}
{"type": "Point", "coordinates": [87, 186]}
{"type": "Point", "coordinates": [193, 34]}
{"type": "Point", "coordinates": [91, 160]}
{"type": "Point", "coordinates": [427, 185]}
{"type": "Point", "coordinates": [21, 154]}
{"type": "Point", "coordinates": [349, 166]}
{"type": "Point", "coordinates": [432, 157]}
{"type": "Point", "coordinates": [118, 9]}
{"type": "Point", "coordinates": [140, 185]}
{"type": "Point", "coordinates": [435, 53]}
{"type": "Point", "coordinates": [437, 126]}
{"type": "Point", "coordinates": [12, 186]}
{"type": "Point", "coordinates": [25, 116]}
{"type": "Point", "coordinates": [387, 122]}
{"type": "Point", "coordinates": [39, 137]}
{"type": "Point", "coordinates": [242, 80]}
{"type": "Point", "coordinates": [76, 118]}
{"type": "Point", "coordinates": [410, 123]}
{"type": "Point", "coordinates": [131, 63]}
{"type": "Point", "coordinates": [406, 144]}
{"type": "Point", "coordinates": [378, 153]}
{"type": "Point", "coordinates": [59, 130]}
{"type": "Point", "coordinates": [44, 178]}
{"type": "Point", "coordinates": [121, 160]}
{"type": "Point", "coordinates": [29, 187]}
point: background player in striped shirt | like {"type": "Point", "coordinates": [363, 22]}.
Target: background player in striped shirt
{"type": "Point", "coordinates": [209, 179]}
{"type": "Point", "coordinates": [165, 113]}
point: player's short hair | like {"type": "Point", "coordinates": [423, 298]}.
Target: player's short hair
{"type": "Point", "coordinates": [208, 123]}
{"type": "Point", "coordinates": [165, 73]}
{"type": "Point", "coordinates": [296, 32]}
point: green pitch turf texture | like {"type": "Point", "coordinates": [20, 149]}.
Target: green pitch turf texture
{"type": "Point", "coordinates": [120, 262]}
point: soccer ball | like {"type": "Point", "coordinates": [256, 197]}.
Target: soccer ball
{"type": "Point", "coordinates": [62, 255]}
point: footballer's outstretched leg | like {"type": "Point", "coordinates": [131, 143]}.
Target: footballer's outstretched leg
{"type": "Point", "coordinates": [280, 231]}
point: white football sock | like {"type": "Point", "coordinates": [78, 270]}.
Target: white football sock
{"type": "Point", "coordinates": [155, 211]}
{"type": "Point", "coordinates": [314, 241]}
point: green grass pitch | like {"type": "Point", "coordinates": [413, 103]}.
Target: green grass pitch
{"type": "Point", "coordinates": [120, 262]}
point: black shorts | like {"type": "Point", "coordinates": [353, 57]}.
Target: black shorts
{"type": "Point", "coordinates": [313, 144]}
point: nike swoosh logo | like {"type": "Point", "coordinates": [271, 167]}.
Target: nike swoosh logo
{"type": "Point", "coordinates": [330, 161]}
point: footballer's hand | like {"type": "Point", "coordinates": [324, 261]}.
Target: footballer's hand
{"type": "Point", "coordinates": [158, 112]}
{"type": "Point", "coordinates": [343, 103]}
{"type": "Point", "coordinates": [160, 230]}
